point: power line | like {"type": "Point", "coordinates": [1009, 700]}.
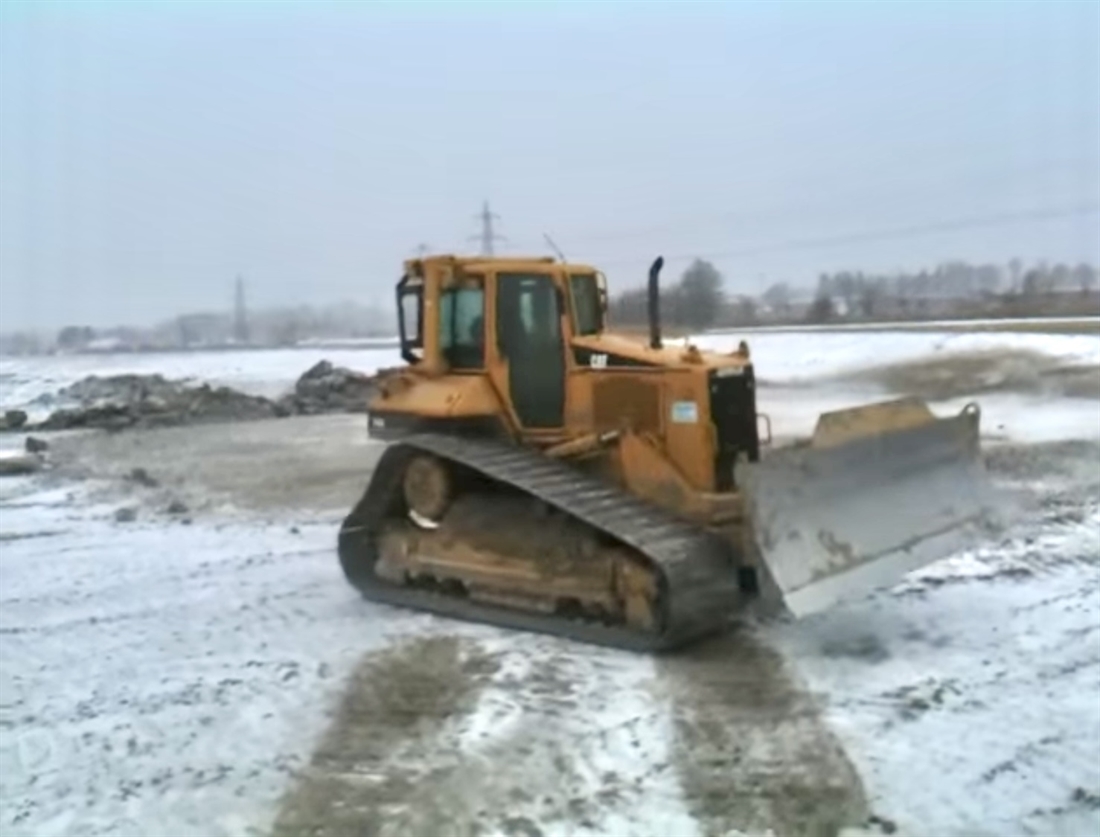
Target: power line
{"type": "Point", "coordinates": [914, 231]}
{"type": "Point", "coordinates": [828, 199]}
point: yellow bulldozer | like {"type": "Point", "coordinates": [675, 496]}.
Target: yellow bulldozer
{"type": "Point", "coordinates": [547, 474]}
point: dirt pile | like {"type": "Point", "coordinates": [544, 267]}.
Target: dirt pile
{"type": "Point", "coordinates": [325, 388]}
{"type": "Point", "coordinates": [974, 373]}
{"type": "Point", "coordinates": [120, 402]}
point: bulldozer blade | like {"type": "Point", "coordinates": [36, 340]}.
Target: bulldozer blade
{"type": "Point", "coordinates": [879, 492]}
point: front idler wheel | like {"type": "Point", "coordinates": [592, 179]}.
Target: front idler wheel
{"type": "Point", "coordinates": [428, 489]}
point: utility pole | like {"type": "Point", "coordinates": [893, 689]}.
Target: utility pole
{"type": "Point", "coordinates": [487, 235]}
{"type": "Point", "coordinates": [240, 314]}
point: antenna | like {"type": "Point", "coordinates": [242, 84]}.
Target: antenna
{"type": "Point", "coordinates": [554, 247]}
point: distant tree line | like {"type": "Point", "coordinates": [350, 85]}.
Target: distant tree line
{"type": "Point", "coordinates": [866, 295]}
{"type": "Point", "coordinates": [278, 326]}
{"type": "Point", "coordinates": [695, 302]}
{"type": "Point", "coordinates": [954, 288]}
{"type": "Point", "coordinates": [267, 327]}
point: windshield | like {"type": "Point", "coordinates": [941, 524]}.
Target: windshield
{"type": "Point", "coordinates": [587, 310]}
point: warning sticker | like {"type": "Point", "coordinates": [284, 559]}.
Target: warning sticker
{"type": "Point", "coordinates": [685, 412]}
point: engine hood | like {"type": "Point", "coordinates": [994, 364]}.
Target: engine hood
{"type": "Point", "coordinates": [611, 350]}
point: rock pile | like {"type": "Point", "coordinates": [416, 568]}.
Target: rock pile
{"type": "Point", "coordinates": [12, 419]}
{"type": "Point", "coordinates": [120, 402]}
{"type": "Point", "coordinates": [325, 388]}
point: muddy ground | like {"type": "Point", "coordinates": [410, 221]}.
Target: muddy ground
{"type": "Point", "coordinates": [748, 750]}
{"type": "Point", "coordinates": [750, 746]}
{"type": "Point", "coordinates": [270, 468]}
{"type": "Point", "coordinates": [360, 779]}
{"type": "Point", "coordinates": [746, 745]}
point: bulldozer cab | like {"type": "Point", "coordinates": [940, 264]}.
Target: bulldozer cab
{"type": "Point", "coordinates": [509, 319]}
{"type": "Point", "coordinates": [524, 344]}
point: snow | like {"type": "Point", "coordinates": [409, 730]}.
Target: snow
{"type": "Point", "coordinates": [795, 357]}
{"type": "Point", "coordinates": [611, 746]}
{"type": "Point", "coordinates": [969, 696]}
{"type": "Point", "coordinates": [1031, 419]}
{"type": "Point", "coordinates": [267, 372]}
{"type": "Point", "coordinates": [1014, 417]}
{"type": "Point", "coordinates": [160, 678]}
{"type": "Point", "coordinates": [148, 690]}
{"type": "Point", "coordinates": [924, 325]}
{"type": "Point", "coordinates": [780, 357]}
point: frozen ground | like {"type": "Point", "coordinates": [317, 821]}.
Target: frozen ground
{"type": "Point", "coordinates": [161, 681]}
{"type": "Point", "coordinates": [172, 674]}
{"type": "Point", "coordinates": [209, 672]}
{"type": "Point", "coordinates": [969, 696]}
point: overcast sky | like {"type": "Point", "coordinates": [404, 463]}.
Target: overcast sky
{"type": "Point", "coordinates": [149, 152]}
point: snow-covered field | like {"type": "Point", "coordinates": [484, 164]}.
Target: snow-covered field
{"type": "Point", "coordinates": [998, 323]}
{"type": "Point", "coordinates": [160, 682]}
{"type": "Point", "coordinates": [793, 357]}
{"type": "Point", "coordinates": [28, 383]}
{"type": "Point", "coordinates": [780, 358]}
{"type": "Point", "coordinates": [171, 681]}
{"type": "Point", "coordinates": [173, 676]}
{"type": "Point", "coordinates": [969, 697]}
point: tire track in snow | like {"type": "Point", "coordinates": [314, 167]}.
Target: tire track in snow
{"type": "Point", "coordinates": [552, 738]}
{"type": "Point", "coordinates": [164, 678]}
{"type": "Point", "coordinates": [752, 749]}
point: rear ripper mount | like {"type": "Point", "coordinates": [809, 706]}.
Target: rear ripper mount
{"type": "Point", "coordinates": [656, 583]}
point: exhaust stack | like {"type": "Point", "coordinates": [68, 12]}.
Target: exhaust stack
{"type": "Point", "coordinates": [654, 303]}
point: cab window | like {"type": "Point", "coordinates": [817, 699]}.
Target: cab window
{"type": "Point", "coordinates": [462, 325]}
{"type": "Point", "coordinates": [587, 306]}
{"type": "Point", "coordinates": [527, 311]}
{"type": "Point", "coordinates": [410, 305]}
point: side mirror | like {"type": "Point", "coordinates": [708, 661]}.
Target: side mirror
{"type": "Point", "coordinates": [601, 284]}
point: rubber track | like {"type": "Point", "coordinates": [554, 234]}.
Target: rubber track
{"type": "Point", "coordinates": [700, 581]}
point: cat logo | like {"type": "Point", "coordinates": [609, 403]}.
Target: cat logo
{"type": "Point", "coordinates": [598, 361]}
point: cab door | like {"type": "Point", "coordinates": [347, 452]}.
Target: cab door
{"type": "Point", "coordinates": [531, 345]}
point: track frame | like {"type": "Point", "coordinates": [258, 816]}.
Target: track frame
{"type": "Point", "coordinates": [697, 569]}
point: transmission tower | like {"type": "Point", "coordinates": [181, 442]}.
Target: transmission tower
{"type": "Point", "coordinates": [240, 314]}
{"type": "Point", "coordinates": [487, 236]}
